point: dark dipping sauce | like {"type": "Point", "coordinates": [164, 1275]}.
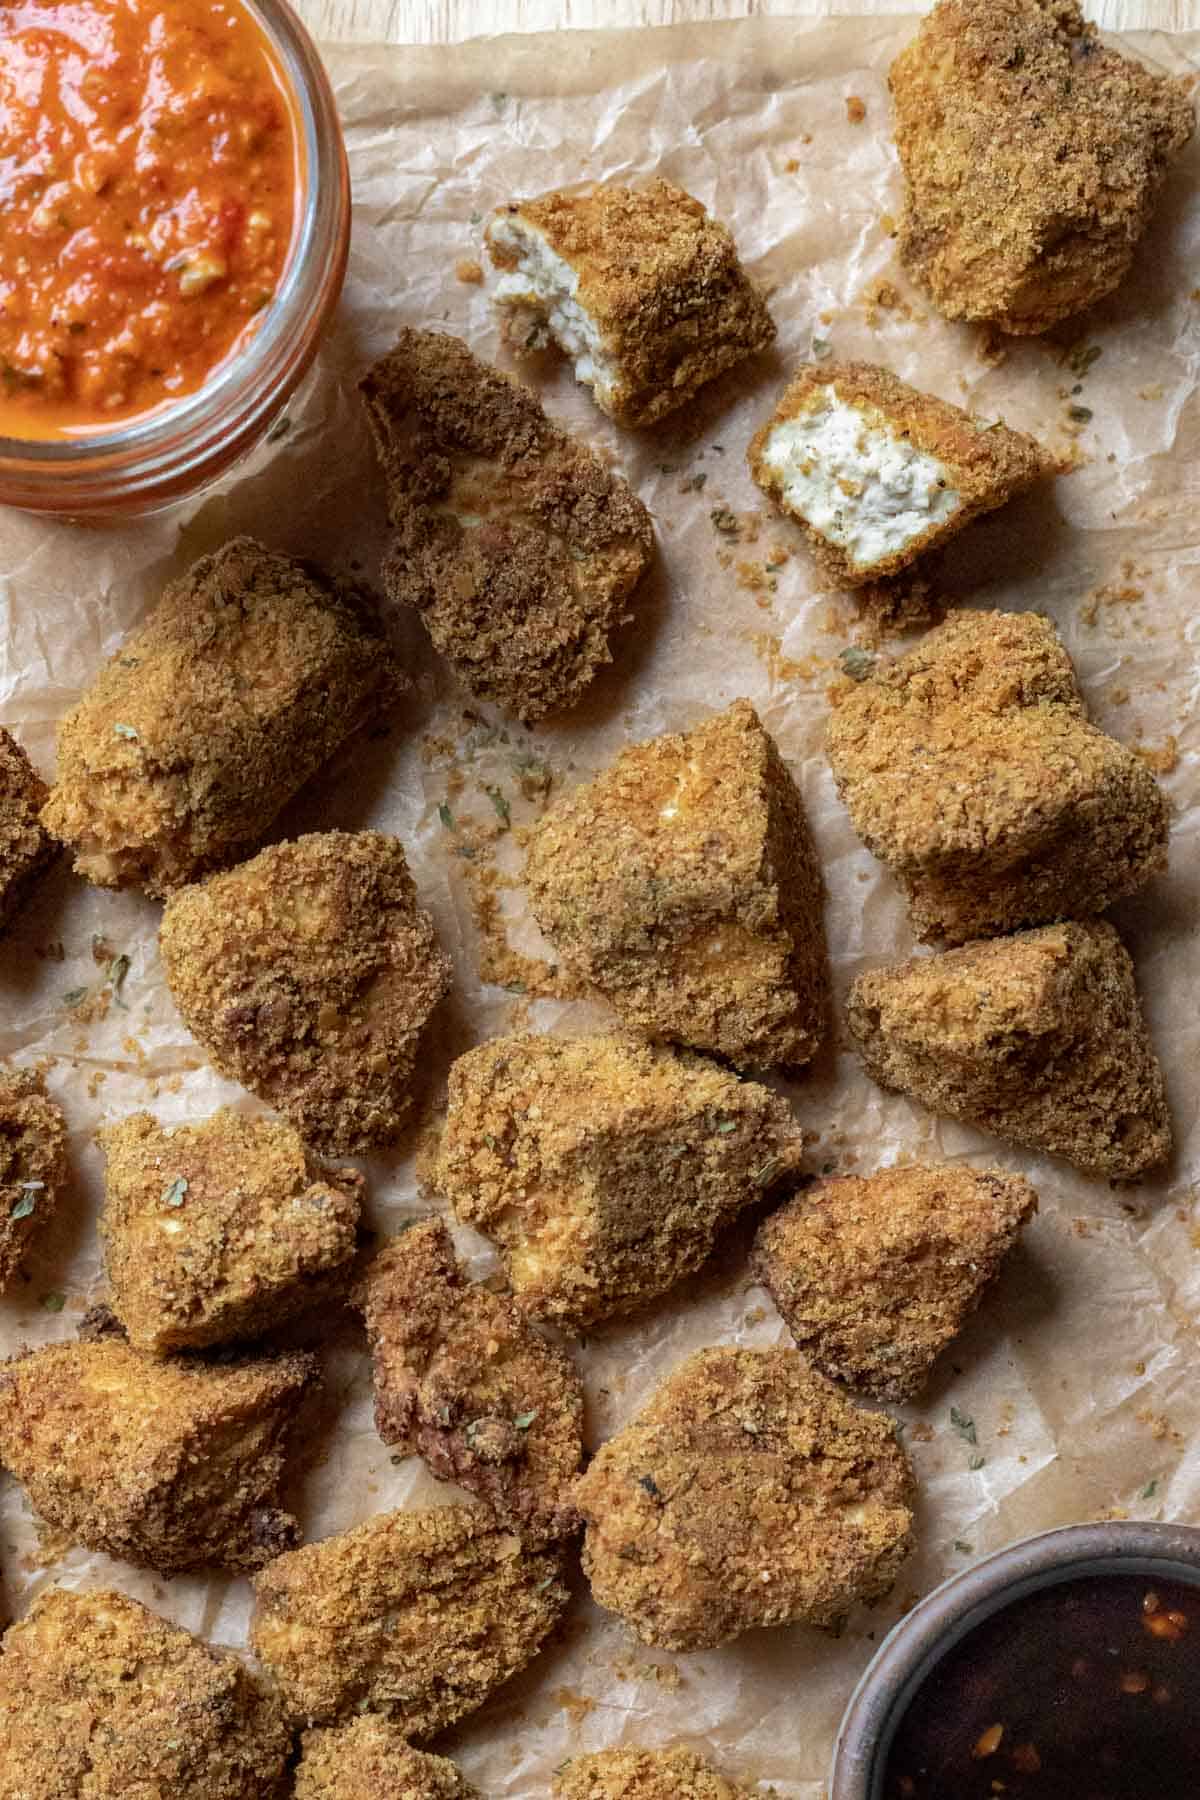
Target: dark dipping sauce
{"type": "Point", "coordinates": [1089, 1690]}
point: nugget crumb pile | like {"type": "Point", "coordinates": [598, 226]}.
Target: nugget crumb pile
{"type": "Point", "coordinates": [519, 548]}
{"type": "Point", "coordinates": [1032, 156]}
{"type": "Point", "coordinates": [1038, 1037]}
{"type": "Point", "coordinates": [219, 1230]}
{"type": "Point", "coordinates": [605, 1168]}
{"type": "Point", "coordinates": [309, 974]}
{"type": "Point", "coordinates": [33, 1164]}
{"type": "Point", "coordinates": [244, 680]}
{"type": "Point", "coordinates": [674, 1774]}
{"type": "Point", "coordinates": [370, 1759]}
{"type": "Point", "coordinates": [26, 847]}
{"type": "Point", "coordinates": [683, 884]}
{"type": "Point", "coordinates": [970, 768]}
{"type": "Point", "coordinates": [748, 1492]}
{"type": "Point", "coordinates": [874, 1275]}
{"type": "Point", "coordinates": [416, 1615]}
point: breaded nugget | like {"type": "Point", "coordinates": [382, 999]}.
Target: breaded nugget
{"type": "Point", "coordinates": [370, 1759]}
{"type": "Point", "coordinates": [33, 1164]}
{"type": "Point", "coordinates": [605, 1168]}
{"type": "Point", "coordinates": [874, 1275]}
{"type": "Point", "coordinates": [221, 1230]}
{"type": "Point", "coordinates": [748, 1492]}
{"type": "Point", "coordinates": [245, 678]}
{"type": "Point", "coordinates": [416, 1615]}
{"type": "Point", "coordinates": [100, 1699]}
{"type": "Point", "coordinates": [309, 974]}
{"type": "Point", "coordinates": [519, 548]}
{"type": "Point", "coordinates": [878, 473]}
{"type": "Point", "coordinates": [26, 847]}
{"type": "Point", "coordinates": [683, 884]}
{"type": "Point", "coordinates": [641, 289]}
{"type": "Point", "coordinates": [464, 1380]}
{"type": "Point", "coordinates": [1032, 156]}
{"type": "Point", "coordinates": [970, 768]}
{"type": "Point", "coordinates": [674, 1774]}
{"type": "Point", "coordinates": [1038, 1037]}
{"type": "Point", "coordinates": [171, 1465]}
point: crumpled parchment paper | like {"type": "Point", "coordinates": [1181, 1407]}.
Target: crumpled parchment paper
{"type": "Point", "coordinates": [1082, 1373]}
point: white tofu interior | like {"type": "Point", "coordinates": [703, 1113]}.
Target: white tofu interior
{"type": "Point", "coordinates": [544, 281]}
{"type": "Point", "coordinates": [847, 470]}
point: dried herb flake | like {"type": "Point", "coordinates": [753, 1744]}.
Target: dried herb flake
{"type": "Point", "coordinates": [820, 348]}
{"type": "Point", "coordinates": [174, 1192]}
{"type": "Point", "coordinates": [724, 521]}
{"type": "Point", "coordinates": [524, 1420]}
{"type": "Point", "coordinates": [54, 1302]}
{"type": "Point", "coordinates": [964, 1425]}
{"type": "Point", "coordinates": [446, 816]}
{"type": "Point", "coordinates": [503, 809]}
{"type": "Point", "coordinates": [1080, 414]}
{"type": "Point", "coordinates": [856, 662]}
{"type": "Point", "coordinates": [125, 731]}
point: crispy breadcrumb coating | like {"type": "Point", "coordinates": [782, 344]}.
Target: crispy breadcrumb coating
{"type": "Point", "coordinates": [519, 548]}
{"type": "Point", "coordinates": [415, 1615]}
{"type": "Point", "coordinates": [100, 1699]}
{"type": "Point", "coordinates": [874, 1275]}
{"type": "Point", "coordinates": [33, 1164]}
{"type": "Point", "coordinates": [1038, 1038]}
{"type": "Point", "coordinates": [220, 1230]}
{"type": "Point", "coordinates": [683, 884]}
{"type": "Point", "coordinates": [465, 1381]}
{"type": "Point", "coordinates": [26, 847]}
{"type": "Point", "coordinates": [1033, 156]}
{"type": "Point", "coordinates": [604, 1168]}
{"type": "Point", "coordinates": [172, 1465]}
{"type": "Point", "coordinates": [970, 768]}
{"type": "Point", "coordinates": [246, 677]}
{"type": "Point", "coordinates": [370, 1759]}
{"type": "Point", "coordinates": [878, 473]}
{"type": "Point", "coordinates": [629, 1774]}
{"type": "Point", "coordinates": [640, 287]}
{"type": "Point", "coordinates": [748, 1492]}
{"type": "Point", "coordinates": [309, 974]}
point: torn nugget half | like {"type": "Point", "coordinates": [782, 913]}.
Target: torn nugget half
{"type": "Point", "coordinates": [631, 1774]}
{"type": "Point", "coordinates": [220, 1230]}
{"type": "Point", "coordinates": [519, 548]}
{"type": "Point", "coordinates": [465, 1381]}
{"type": "Point", "coordinates": [33, 1165]}
{"type": "Point", "coordinates": [682, 883]}
{"type": "Point", "coordinates": [371, 1759]}
{"type": "Point", "coordinates": [749, 1492]}
{"type": "Point", "coordinates": [605, 1168]}
{"type": "Point", "coordinates": [172, 1465]}
{"type": "Point", "coordinates": [878, 473]}
{"type": "Point", "coordinates": [970, 768]}
{"type": "Point", "coordinates": [309, 974]}
{"type": "Point", "coordinates": [26, 847]}
{"type": "Point", "coordinates": [1038, 1038]}
{"type": "Point", "coordinates": [1032, 154]}
{"type": "Point", "coordinates": [246, 677]}
{"type": "Point", "coordinates": [101, 1699]}
{"type": "Point", "coordinates": [874, 1275]}
{"type": "Point", "coordinates": [417, 1615]}
{"type": "Point", "coordinates": [640, 288]}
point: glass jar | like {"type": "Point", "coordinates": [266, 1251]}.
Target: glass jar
{"type": "Point", "coordinates": [144, 465]}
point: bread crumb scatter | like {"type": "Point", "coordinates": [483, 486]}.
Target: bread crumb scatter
{"type": "Point", "coordinates": [630, 1774]}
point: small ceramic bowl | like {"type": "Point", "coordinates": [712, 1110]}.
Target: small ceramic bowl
{"type": "Point", "coordinates": [914, 1647]}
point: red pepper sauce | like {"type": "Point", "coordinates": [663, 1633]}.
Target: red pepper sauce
{"type": "Point", "coordinates": [150, 174]}
{"type": "Point", "coordinates": [1085, 1691]}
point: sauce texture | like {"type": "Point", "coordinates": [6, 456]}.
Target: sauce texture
{"type": "Point", "coordinates": [150, 172]}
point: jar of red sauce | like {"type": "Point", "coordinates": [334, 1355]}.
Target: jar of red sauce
{"type": "Point", "coordinates": [174, 227]}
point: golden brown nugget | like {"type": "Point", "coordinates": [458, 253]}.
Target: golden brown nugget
{"type": "Point", "coordinates": [629, 1774]}
{"type": "Point", "coordinates": [640, 288]}
{"type": "Point", "coordinates": [748, 1492]}
{"type": "Point", "coordinates": [874, 1275]}
{"type": "Point", "coordinates": [220, 1230]}
{"type": "Point", "coordinates": [100, 1699]}
{"type": "Point", "coordinates": [878, 473]}
{"type": "Point", "coordinates": [1033, 156]}
{"type": "Point", "coordinates": [26, 847]}
{"type": "Point", "coordinates": [416, 1615]}
{"type": "Point", "coordinates": [1038, 1038]}
{"type": "Point", "coordinates": [971, 769]}
{"type": "Point", "coordinates": [309, 975]}
{"type": "Point", "coordinates": [465, 1381]}
{"type": "Point", "coordinates": [370, 1759]}
{"type": "Point", "coordinates": [519, 548]}
{"type": "Point", "coordinates": [172, 1465]}
{"type": "Point", "coordinates": [33, 1164]}
{"type": "Point", "coordinates": [682, 883]}
{"type": "Point", "coordinates": [605, 1168]}
{"type": "Point", "coordinates": [247, 676]}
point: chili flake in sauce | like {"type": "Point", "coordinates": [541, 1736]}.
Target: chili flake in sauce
{"type": "Point", "coordinates": [149, 181]}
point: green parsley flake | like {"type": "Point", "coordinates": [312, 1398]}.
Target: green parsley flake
{"type": "Point", "coordinates": [524, 1420]}
{"type": "Point", "coordinates": [857, 663]}
{"type": "Point", "coordinates": [173, 1194]}
{"type": "Point", "coordinates": [54, 1302]}
{"type": "Point", "coordinates": [503, 810]}
{"type": "Point", "coordinates": [446, 816]}
{"type": "Point", "coordinates": [125, 731]}
{"type": "Point", "coordinates": [820, 348]}
{"type": "Point", "coordinates": [964, 1425]}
